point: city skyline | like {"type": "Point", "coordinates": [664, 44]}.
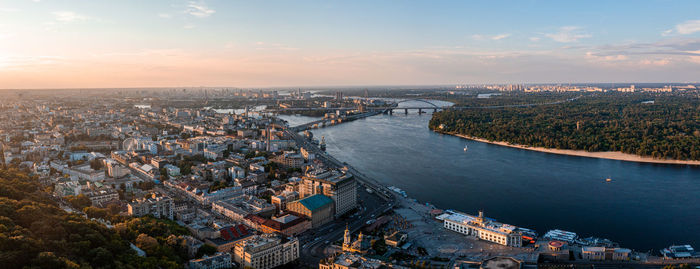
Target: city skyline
{"type": "Point", "coordinates": [100, 44]}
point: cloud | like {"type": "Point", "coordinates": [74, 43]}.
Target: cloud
{"type": "Point", "coordinates": [660, 62]}
{"type": "Point", "coordinates": [8, 9]}
{"type": "Point", "coordinates": [534, 39]}
{"type": "Point", "coordinates": [68, 16]}
{"type": "Point", "coordinates": [568, 34]}
{"type": "Point", "coordinates": [199, 9]}
{"type": "Point", "coordinates": [491, 37]}
{"type": "Point", "coordinates": [684, 28]}
{"type": "Point", "coordinates": [164, 15]}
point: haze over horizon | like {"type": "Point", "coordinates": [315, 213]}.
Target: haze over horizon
{"type": "Point", "coordinates": [98, 44]}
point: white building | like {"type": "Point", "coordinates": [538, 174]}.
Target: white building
{"type": "Point", "coordinates": [483, 228]}
{"type": "Point", "coordinates": [158, 206]}
{"type": "Point", "coordinates": [266, 251]}
{"type": "Point", "coordinates": [236, 172]}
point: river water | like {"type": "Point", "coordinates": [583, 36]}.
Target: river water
{"type": "Point", "coordinates": [646, 206]}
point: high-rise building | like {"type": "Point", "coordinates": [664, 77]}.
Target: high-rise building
{"type": "Point", "coordinates": [339, 186]}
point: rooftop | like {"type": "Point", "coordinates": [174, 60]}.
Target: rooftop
{"type": "Point", "coordinates": [316, 201]}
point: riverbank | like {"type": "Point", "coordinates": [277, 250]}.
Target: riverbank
{"type": "Point", "coordinates": [610, 155]}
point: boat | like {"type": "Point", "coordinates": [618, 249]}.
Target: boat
{"type": "Point", "coordinates": [466, 148]}
{"type": "Point", "coordinates": [608, 180]}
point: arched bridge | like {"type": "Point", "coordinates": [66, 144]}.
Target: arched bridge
{"type": "Point", "coordinates": [419, 100]}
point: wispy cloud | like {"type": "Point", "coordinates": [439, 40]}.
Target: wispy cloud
{"type": "Point", "coordinates": [490, 37]}
{"type": "Point", "coordinates": [68, 16]}
{"type": "Point", "coordinates": [568, 34]}
{"type": "Point", "coordinates": [199, 9]}
{"type": "Point", "coordinates": [164, 15]}
{"type": "Point", "coordinates": [684, 28]}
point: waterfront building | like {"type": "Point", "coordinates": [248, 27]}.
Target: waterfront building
{"type": "Point", "coordinates": [569, 237]}
{"type": "Point", "coordinates": [266, 251]}
{"type": "Point", "coordinates": [679, 252]}
{"type": "Point", "coordinates": [339, 186]}
{"type": "Point", "coordinates": [159, 206]}
{"type": "Point", "coordinates": [483, 228]}
{"type": "Point", "coordinates": [605, 254]}
{"type": "Point", "coordinates": [217, 261]}
{"type": "Point", "coordinates": [318, 208]}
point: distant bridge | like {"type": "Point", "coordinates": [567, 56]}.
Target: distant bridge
{"type": "Point", "coordinates": [432, 106]}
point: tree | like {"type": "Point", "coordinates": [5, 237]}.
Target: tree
{"type": "Point", "coordinates": [205, 249]}
{"type": "Point", "coordinates": [94, 212]}
{"type": "Point", "coordinates": [78, 202]}
{"type": "Point", "coordinates": [146, 243]}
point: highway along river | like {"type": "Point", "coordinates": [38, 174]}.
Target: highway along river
{"type": "Point", "coordinates": [644, 207]}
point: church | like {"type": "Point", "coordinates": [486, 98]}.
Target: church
{"type": "Point", "coordinates": [361, 245]}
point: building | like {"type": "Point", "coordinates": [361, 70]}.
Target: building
{"type": "Point", "coordinates": [361, 245]}
{"type": "Point", "coordinates": [483, 228]}
{"type": "Point", "coordinates": [280, 201]}
{"type": "Point", "coordinates": [353, 261]}
{"type": "Point", "coordinates": [318, 208]}
{"type": "Point", "coordinates": [239, 207]}
{"type": "Point", "coordinates": [266, 251]}
{"type": "Point", "coordinates": [289, 224]}
{"type": "Point", "coordinates": [339, 186]}
{"type": "Point", "coordinates": [308, 155]}
{"type": "Point", "coordinates": [679, 252]}
{"type": "Point", "coordinates": [116, 170]}
{"type": "Point", "coordinates": [223, 238]}
{"type": "Point", "coordinates": [102, 196]}
{"type": "Point", "coordinates": [217, 261]}
{"type": "Point", "coordinates": [395, 239]}
{"type": "Point", "coordinates": [158, 205]}
{"type": "Point", "coordinates": [605, 254]}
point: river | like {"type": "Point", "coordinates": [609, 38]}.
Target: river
{"type": "Point", "coordinates": [646, 206]}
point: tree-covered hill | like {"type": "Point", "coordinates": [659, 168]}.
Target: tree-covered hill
{"type": "Point", "coordinates": [667, 128]}
{"type": "Point", "coordinates": [36, 233]}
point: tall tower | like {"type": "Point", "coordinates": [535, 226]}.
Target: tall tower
{"type": "Point", "coordinates": [346, 239]}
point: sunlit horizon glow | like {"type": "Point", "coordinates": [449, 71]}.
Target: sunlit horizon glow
{"type": "Point", "coordinates": [99, 44]}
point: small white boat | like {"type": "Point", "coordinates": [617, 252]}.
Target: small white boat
{"type": "Point", "coordinates": [466, 148]}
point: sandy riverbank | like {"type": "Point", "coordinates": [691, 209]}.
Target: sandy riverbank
{"type": "Point", "coordinates": [611, 155]}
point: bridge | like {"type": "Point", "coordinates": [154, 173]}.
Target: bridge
{"type": "Point", "coordinates": [430, 106]}
{"type": "Point", "coordinates": [331, 121]}
{"type": "Point", "coordinates": [383, 109]}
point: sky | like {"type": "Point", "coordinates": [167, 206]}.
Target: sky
{"type": "Point", "coordinates": [228, 43]}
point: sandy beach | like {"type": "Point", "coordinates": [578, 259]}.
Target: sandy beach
{"type": "Point", "coordinates": [612, 155]}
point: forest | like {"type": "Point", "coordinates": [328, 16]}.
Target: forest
{"type": "Point", "coordinates": [663, 126]}
{"type": "Point", "coordinates": [36, 233]}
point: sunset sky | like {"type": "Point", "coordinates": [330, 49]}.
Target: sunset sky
{"type": "Point", "coordinates": [95, 43]}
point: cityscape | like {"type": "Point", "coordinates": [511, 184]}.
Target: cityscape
{"type": "Point", "coordinates": [424, 155]}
